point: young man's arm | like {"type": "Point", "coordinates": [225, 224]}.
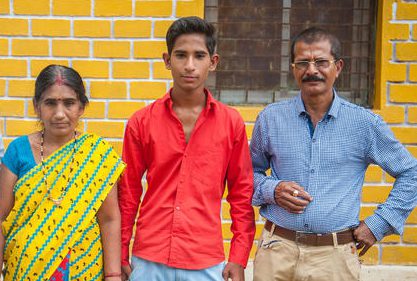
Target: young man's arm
{"type": "Point", "coordinates": [240, 191]}
{"type": "Point", "coordinates": [130, 187]}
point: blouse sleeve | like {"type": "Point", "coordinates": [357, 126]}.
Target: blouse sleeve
{"type": "Point", "coordinates": [10, 159]}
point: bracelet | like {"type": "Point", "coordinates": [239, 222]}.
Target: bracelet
{"type": "Point", "coordinates": [113, 274]}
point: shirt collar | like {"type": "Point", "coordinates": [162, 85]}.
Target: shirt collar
{"type": "Point", "coordinates": [334, 108]}
{"type": "Point", "coordinates": [333, 111]}
{"type": "Point", "coordinates": [210, 101]}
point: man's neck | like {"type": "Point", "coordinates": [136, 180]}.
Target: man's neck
{"type": "Point", "coordinates": [190, 99]}
{"type": "Point", "coordinates": [187, 107]}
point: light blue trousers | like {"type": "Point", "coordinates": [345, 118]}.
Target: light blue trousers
{"type": "Point", "coordinates": [152, 271]}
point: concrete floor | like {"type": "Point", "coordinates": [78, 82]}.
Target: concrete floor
{"type": "Point", "coordinates": [370, 273]}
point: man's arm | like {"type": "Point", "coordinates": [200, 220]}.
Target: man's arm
{"type": "Point", "coordinates": [269, 189]}
{"type": "Point", "coordinates": [130, 186]}
{"type": "Point", "coordinates": [264, 186]}
{"type": "Point", "coordinates": [1, 147]}
{"type": "Point", "coordinates": [387, 152]}
{"type": "Point", "coordinates": [240, 191]}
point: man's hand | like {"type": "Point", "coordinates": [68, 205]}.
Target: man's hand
{"type": "Point", "coordinates": [233, 271]}
{"type": "Point", "coordinates": [364, 238]}
{"type": "Point", "coordinates": [292, 197]}
{"type": "Point", "coordinates": [126, 271]}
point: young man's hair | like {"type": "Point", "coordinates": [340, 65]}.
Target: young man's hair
{"type": "Point", "coordinates": [189, 25]}
{"type": "Point", "coordinates": [315, 34]}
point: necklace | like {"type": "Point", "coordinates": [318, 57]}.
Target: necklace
{"type": "Point", "coordinates": [56, 201]}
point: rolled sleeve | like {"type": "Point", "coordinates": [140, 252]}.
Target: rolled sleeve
{"type": "Point", "coordinates": [1, 147]}
{"type": "Point", "coordinates": [379, 227]}
{"type": "Point", "coordinates": [265, 191]}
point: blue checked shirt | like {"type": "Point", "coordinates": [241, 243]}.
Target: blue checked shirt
{"type": "Point", "coordinates": [330, 161]}
{"type": "Point", "coordinates": [1, 147]}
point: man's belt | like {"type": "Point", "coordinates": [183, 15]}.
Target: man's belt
{"type": "Point", "coordinates": [311, 239]}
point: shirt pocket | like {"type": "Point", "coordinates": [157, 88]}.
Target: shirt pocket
{"type": "Point", "coordinates": [207, 173]}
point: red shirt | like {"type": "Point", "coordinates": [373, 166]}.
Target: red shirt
{"type": "Point", "coordinates": [179, 222]}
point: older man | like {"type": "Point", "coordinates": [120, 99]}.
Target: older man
{"type": "Point", "coordinates": [318, 148]}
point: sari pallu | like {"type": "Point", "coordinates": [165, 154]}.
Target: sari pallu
{"type": "Point", "coordinates": [40, 234]}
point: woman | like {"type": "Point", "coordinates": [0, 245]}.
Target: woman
{"type": "Point", "coordinates": [57, 192]}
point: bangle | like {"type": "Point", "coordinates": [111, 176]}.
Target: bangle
{"type": "Point", "coordinates": [113, 274]}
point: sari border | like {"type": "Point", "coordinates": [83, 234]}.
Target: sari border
{"type": "Point", "coordinates": [47, 216]}
{"type": "Point", "coordinates": [102, 188]}
{"type": "Point", "coordinates": [48, 160]}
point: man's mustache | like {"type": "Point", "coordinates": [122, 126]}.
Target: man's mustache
{"type": "Point", "coordinates": [312, 78]}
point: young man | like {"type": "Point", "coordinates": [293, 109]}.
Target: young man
{"type": "Point", "coordinates": [190, 145]}
{"type": "Point", "coordinates": [318, 148]}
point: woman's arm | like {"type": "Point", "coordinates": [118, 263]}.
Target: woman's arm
{"type": "Point", "coordinates": [109, 221]}
{"type": "Point", "coordinates": [7, 182]}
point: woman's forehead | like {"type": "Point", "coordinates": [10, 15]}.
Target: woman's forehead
{"type": "Point", "coordinates": [57, 91]}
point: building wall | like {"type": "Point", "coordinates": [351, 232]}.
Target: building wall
{"type": "Point", "coordinates": [117, 45]}
{"type": "Point", "coordinates": [254, 42]}
{"type": "Point", "coordinates": [395, 101]}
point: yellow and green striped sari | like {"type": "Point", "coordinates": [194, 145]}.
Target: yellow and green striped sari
{"type": "Point", "coordinates": [39, 234]}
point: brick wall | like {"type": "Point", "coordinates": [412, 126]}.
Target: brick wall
{"type": "Point", "coordinates": [254, 43]}
{"type": "Point", "coordinates": [117, 46]}
{"type": "Point", "coordinates": [395, 101]}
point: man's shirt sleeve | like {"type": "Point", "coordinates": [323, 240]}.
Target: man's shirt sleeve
{"type": "Point", "coordinates": [240, 191]}
{"type": "Point", "coordinates": [387, 152]}
{"type": "Point", "coordinates": [1, 147]}
{"type": "Point", "coordinates": [130, 186]}
{"type": "Point", "coordinates": [264, 185]}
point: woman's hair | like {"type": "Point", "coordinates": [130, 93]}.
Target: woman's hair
{"type": "Point", "coordinates": [61, 75]}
